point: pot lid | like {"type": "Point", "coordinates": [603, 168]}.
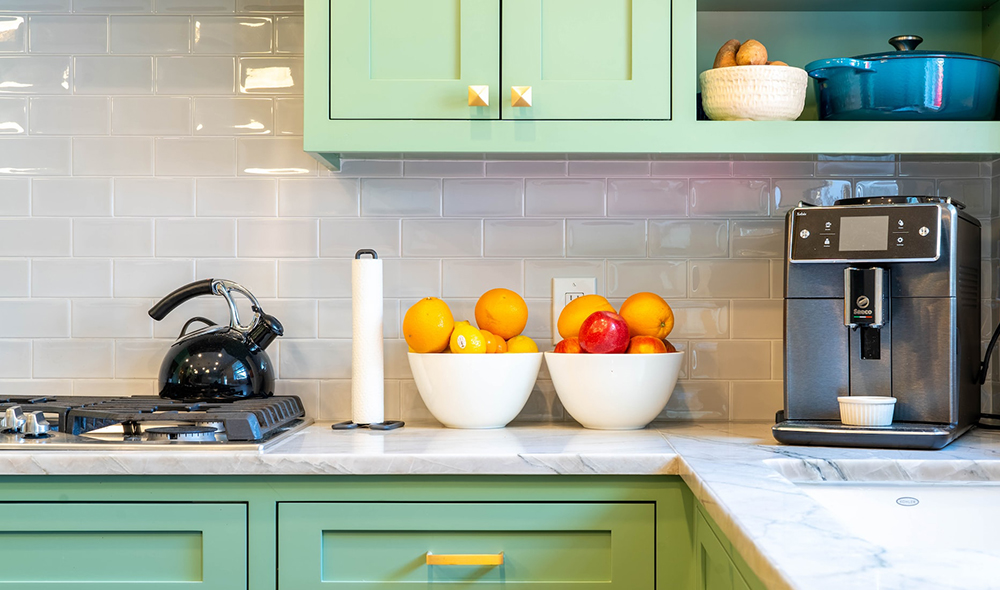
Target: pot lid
{"type": "Point", "coordinates": [906, 47]}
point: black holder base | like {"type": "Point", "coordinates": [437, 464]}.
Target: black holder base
{"type": "Point", "coordinates": [387, 425]}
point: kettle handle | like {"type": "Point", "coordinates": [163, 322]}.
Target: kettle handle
{"type": "Point", "coordinates": [179, 296]}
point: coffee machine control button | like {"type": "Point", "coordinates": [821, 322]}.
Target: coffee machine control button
{"type": "Point", "coordinates": [804, 234]}
{"type": "Point", "coordinates": [923, 231]}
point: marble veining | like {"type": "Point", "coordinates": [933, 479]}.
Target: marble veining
{"type": "Point", "coordinates": [745, 480]}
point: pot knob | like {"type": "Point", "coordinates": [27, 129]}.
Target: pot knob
{"type": "Point", "coordinates": [13, 419]}
{"type": "Point", "coordinates": [35, 425]}
{"type": "Point", "coordinates": [906, 42]}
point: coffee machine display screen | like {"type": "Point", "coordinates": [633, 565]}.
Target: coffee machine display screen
{"type": "Point", "coordinates": [870, 234]}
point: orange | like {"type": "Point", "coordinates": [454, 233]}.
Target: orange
{"type": "Point", "coordinates": [427, 325]}
{"type": "Point", "coordinates": [466, 339]}
{"type": "Point", "coordinates": [502, 312]}
{"type": "Point", "coordinates": [647, 314]}
{"type": "Point", "coordinates": [501, 344]}
{"type": "Point", "coordinates": [521, 344]}
{"type": "Point", "coordinates": [491, 341]}
{"type": "Point", "coordinates": [576, 311]}
{"type": "Point", "coordinates": [646, 345]}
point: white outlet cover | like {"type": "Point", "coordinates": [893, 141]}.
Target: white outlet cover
{"type": "Point", "coordinates": [562, 291]}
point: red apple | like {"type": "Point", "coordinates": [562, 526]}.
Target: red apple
{"type": "Point", "coordinates": [604, 332]}
{"type": "Point", "coordinates": [569, 346]}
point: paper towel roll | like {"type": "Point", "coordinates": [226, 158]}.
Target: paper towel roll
{"type": "Point", "coordinates": [367, 369]}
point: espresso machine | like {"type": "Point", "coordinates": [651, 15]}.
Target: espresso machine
{"type": "Point", "coordinates": [881, 299]}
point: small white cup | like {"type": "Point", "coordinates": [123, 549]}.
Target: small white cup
{"type": "Point", "coordinates": [866, 410]}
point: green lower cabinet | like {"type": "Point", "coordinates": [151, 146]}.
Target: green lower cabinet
{"type": "Point", "coordinates": [718, 566]}
{"type": "Point", "coordinates": [555, 546]}
{"type": "Point", "coordinates": [126, 546]}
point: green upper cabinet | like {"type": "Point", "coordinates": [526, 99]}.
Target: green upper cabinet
{"type": "Point", "coordinates": [408, 59]}
{"type": "Point", "coordinates": [587, 59]}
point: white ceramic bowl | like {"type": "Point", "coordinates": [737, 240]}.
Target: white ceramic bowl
{"type": "Point", "coordinates": [864, 410]}
{"type": "Point", "coordinates": [475, 390]}
{"type": "Point", "coordinates": [756, 93]}
{"type": "Point", "coordinates": [614, 391]}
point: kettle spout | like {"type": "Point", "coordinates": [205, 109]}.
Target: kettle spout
{"type": "Point", "coordinates": [267, 328]}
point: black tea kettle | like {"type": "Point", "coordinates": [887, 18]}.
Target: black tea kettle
{"type": "Point", "coordinates": [218, 363]}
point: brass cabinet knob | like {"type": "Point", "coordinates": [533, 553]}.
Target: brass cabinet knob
{"type": "Point", "coordinates": [479, 96]}
{"type": "Point", "coordinates": [520, 96]}
{"type": "Point", "coordinates": [466, 559]}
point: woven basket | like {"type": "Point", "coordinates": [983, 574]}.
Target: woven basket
{"type": "Point", "coordinates": [755, 93]}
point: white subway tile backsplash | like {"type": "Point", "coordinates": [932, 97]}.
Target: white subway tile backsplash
{"type": "Point", "coordinates": [608, 168]}
{"type": "Point", "coordinates": [113, 75]}
{"type": "Point", "coordinates": [42, 156]}
{"type": "Point", "coordinates": [70, 277]}
{"type": "Point", "coordinates": [756, 400]}
{"type": "Point", "coordinates": [442, 237]}
{"type": "Point", "coordinates": [647, 197]}
{"type": "Point", "coordinates": [473, 277]}
{"type": "Point", "coordinates": [606, 238]}
{"type": "Point", "coordinates": [13, 34]}
{"type": "Point", "coordinates": [114, 387]}
{"type": "Point", "coordinates": [818, 191]}
{"type": "Point", "coordinates": [406, 197]}
{"type": "Point", "coordinates": [564, 197]}
{"type": "Point", "coordinates": [369, 168]}
{"type": "Point", "coordinates": [34, 75]}
{"type": "Point", "coordinates": [271, 75]}
{"type": "Point", "coordinates": [260, 276]}
{"type": "Point", "coordinates": [202, 156]}
{"type": "Point", "coordinates": [692, 168]}
{"type": "Point", "coordinates": [787, 168]}
{"type": "Point", "coordinates": [160, 115]}
{"type": "Point", "coordinates": [725, 197]}
{"type": "Point", "coordinates": [666, 278]}
{"type": "Point", "coordinates": [327, 277]}
{"type": "Point", "coordinates": [233, 116]}
{"type": "Point", "coordinates": [151, 277]}
{"type": "Point", "coordinates": [154, 197]}
{"type": "Point", "coordinates": [54, 359]}
{"type": "Point", "coordinates": [335, 318]}
{"type": "Point", "coordinates": [855, 165]}
{"type": "Point", "coordinates": [700, 319]}
{"type": "Point", "coordinates": [232, 34]}
{"type": "Point", "coordinates": [298, 317]}
{"type": "Point", "coordinates": [195, 75]}
{"type": "Point", "coordinates": [112, 237]}
{"type": "Point", "coordinates": [523, 238]}
{"type": "Point", "coordinates": [273, 157]}
{"type": "Point", "coordinates": [195, 6]}
{"type": "Point", "coordinates": [288, 116]}
{"type": "Point", "coordinates": [322, 197]}
{"type": "Point", "coordinates": [275, 6]}
{"type": "Point", "coordinates": [196, 238]}
{"type": "Point", "coordinates": [16, 275]}
{"type": "Point", "coordinates": [757, 239]}
{"type": "Point", "coordinates": [13, 116]}
{"type": "Point", "coordinates": [527, 168]}
{"type": "Point", "coordinates": [344, 237]}
{"type": "Point", "coordinates": [729, 278]}
{"type": "Point", "coordinates": [237, 197]}
{"type": "Point", "coordinates": [69, 115]}
{"type": "Point", "coordinates": [113, 6]}
{"type": "Point", "coordinates": [973, 192]}
{"type": "Point", "coordinates": [924, 167]}
{"type": "Point", "coordinates": [67, 34]}
{"type": "Point", "coordinates": [758, 318]}
{"type": "Point", "coordinates": [411, 277]}
{"type": "Point", "coordinates": [15, 359]}
{"type": "Point", "coordinates": [35, 237]}
{"type": "Point", "coordinates": [150, 34]}
{"type": "Point", "coordinates": [731, 359]}
{"type": "Point", "coordinates": [278, 238]}
{"type": "Point", "coordinates": [492, 197]}
{"type": "Point", "coordinates": [112, 318]}
{"type": "Point", "coordinates": [288, 34]}
{"type": "Point", "coordinates": [688, 238]}
{"type": "Point", "coordinates": [15, 196]}
{"type": "Point", "coordinates": [112, 156]}
{"type": "Point", "coordinates": [444, 168]}
{"type": "Point", "coordinates": [315, 359]}
{"type": "Point", "coordinates": [71, 197]}
{"type": "Point", "coordinates": [538, 274]}
{"type": "Point", "coordinates": [893, 187]}
{"type": "Point", "coordinates": [34, 318]}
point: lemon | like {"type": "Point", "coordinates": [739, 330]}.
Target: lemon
{"type": "Point", "coordinates": [521, 344]}
{"type": "Point", "coordinates": [467, 339]}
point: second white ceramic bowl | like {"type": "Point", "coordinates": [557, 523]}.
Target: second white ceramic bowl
{"type": "Point", "coordinates": [614, 391]}
{"type": "Point", "coordinates": [866, 410]}
{"type": "Point", "coordinates": [475, 390]}
{"type": "Point", "coordinates": [757, 93]}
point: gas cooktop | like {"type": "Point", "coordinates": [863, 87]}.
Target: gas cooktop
{"type": "Point", "coordinates": [145, 422]}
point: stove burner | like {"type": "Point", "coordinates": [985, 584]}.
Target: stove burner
{"type": "Point", "coordinates": [182, 433]}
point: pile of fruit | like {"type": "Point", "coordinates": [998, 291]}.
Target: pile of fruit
{"type": "Point", "coordinates": [589, 324]}
{"type": "Point", "coordinates": [501, 315]}
{"type": "Point", "coordinates": [750, 53]}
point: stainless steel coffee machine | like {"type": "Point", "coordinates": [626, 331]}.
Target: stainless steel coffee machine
{"type": "Point", "coordinates": [881, 299]}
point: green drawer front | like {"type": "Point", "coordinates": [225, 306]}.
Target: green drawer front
{"type": "Point", "coordinates": [127, 546]}
{"type": "Point", "coordinates": [716, 570]}
{"type": "Point", "coordinates": [552, 546]}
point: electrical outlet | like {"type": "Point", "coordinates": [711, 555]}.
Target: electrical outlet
{"type": "Point", "coordinates": [564, 291]}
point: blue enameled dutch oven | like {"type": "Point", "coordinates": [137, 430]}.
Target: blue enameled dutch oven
{"type": "Point", "coordinates": [907, 85]}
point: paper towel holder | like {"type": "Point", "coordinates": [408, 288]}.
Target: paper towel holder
{"type": "Point", "coordinates": [388, 424]}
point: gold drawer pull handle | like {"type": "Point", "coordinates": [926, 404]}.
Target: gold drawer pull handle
{"type": "Point", "coordinates": [466, 559]}
{"type": "Point", "coordinates": [479, 96]}
{"type": "Point", "coordinates": [520, 96]}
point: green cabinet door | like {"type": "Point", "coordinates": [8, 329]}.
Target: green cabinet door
{"type": "Point", "coordinates": [716, 570]}
{"type": "Point", "coordinates": [587, 59]}
{"type": "Point", "coordinates": [409, 59]}
{"type": "Point", "coordinates": [545, 546]}
{"type": "Point", "coordinates": [49, 546]}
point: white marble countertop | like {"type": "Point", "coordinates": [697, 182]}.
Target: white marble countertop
{"type": "Point", "coordinates": [737, 471]}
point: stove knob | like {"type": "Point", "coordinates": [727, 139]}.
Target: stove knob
{"type": "Point", "coordinates": [12, 419]}
{"type": "Point", "coordinates": [35, 425]}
